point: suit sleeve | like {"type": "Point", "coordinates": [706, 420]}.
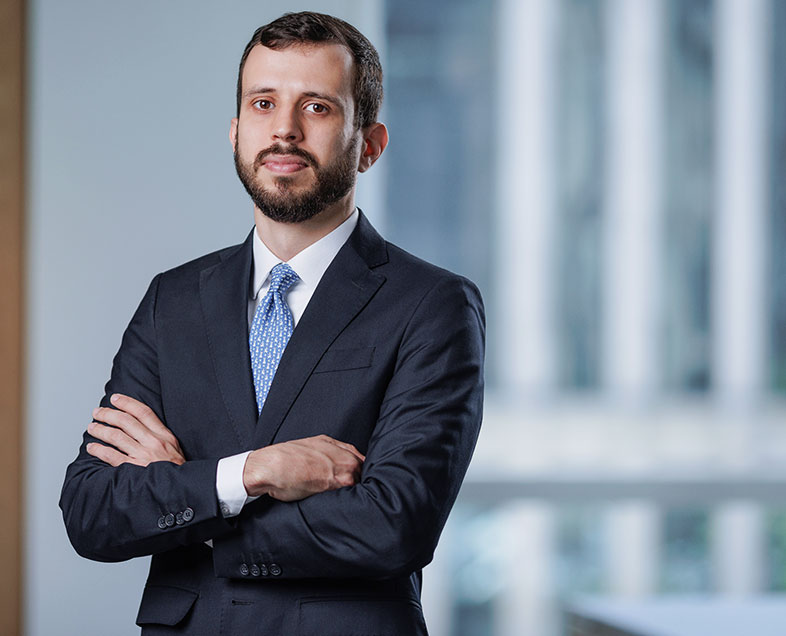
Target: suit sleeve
{"type": "Point", "coordinates": [389, 523]}
{"type": "Point", "coordinates": [115, 513]}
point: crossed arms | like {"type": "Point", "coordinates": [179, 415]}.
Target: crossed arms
{"type": "Point", "coordinates": [288, 471]}
{"type": "Point", "coordinates": [328, 510]}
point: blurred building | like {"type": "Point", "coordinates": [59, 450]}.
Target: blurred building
{"type": "Point", "coordinates": [611, 174]}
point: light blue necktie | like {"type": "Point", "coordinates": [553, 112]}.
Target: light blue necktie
{"type": "Point", "coordinates": [270, 330]}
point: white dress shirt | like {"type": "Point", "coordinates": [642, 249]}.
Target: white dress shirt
{"type": "Point", "coordinates": [309, 264]}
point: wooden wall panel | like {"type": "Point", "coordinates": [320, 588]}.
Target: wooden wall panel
{"type": "Point", "coordinates": [12, 200]}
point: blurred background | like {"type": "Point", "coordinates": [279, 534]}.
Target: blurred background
{"type": "Point", "coordinates": [609, 172]}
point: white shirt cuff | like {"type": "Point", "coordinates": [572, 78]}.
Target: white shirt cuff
{"type": "Point", "coordinates": [231, 492]}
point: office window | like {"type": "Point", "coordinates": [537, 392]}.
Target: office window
{"type": "Point", "coordinates": [685, 551]}
{"type": "Point", "coordinates": [440, 108]}
{"type": "Point", "coordinates": [581, 566]}
{"type": "Point", "coordinates": [688, 194]}
{"type": "Point", "coordinates": [479, 554]}
{"type": "Point", "coordinates": [580, 181]}
{"type": "Point", "coordinates": [775, 558]}
{"type": "Point", "coordinates": [777, 260]}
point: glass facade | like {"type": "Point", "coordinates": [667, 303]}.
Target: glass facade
{"type": "Point", "coordinates": [685, 552]}
{"type": "Point", "coordinates": [439, 107]}
{"type": "Point", "coordinates": [777, 244]}
{"type": "Point", "coordinates": [688, 189]}
{"type": "Point", "coordinates": [477, 568]}
{"type": "Point", "coordinates": [776, 551]}
{"type": "Point", "coordinates": [579, 137]}
{"type": "Point", "coordinates": [581, 566]}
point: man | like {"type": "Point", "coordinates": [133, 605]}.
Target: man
{"type": "Point", "coordinates": [288, 421]}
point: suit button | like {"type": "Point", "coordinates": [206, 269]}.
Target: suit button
{"type": "Point", "coordinates": [225, 510]}
{"type": "Point", "coordinates": [243, 569]}
{"type": "Point", "coordinates": [263, 570]}
{"type": "Point", "coordinates": [275, 570]}
{"type": "Point", "coordinates": [188, 514]}
{"type": "Point", "coordinates": [254, 570]}
{"type": "Point", "coordinates": [179, 518]}
{"type": "Point", "coordinates": [169, 520]}
{"type": "Point", "coordinates": [161, 522]}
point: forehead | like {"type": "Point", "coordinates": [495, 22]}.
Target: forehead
{"type": "Point", "coordinates": [300, 68]}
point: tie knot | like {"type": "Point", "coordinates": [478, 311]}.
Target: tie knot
{"type": "Point", "coordinates": [282, 277]}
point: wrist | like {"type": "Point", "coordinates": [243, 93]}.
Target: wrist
{"type": "Point", "coordinates": [256, 475]}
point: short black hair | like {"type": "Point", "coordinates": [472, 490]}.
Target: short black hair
{"type": "Point", "coordinates": [307, 27]}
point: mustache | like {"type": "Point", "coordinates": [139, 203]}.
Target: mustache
{"type": "Point", "coordinates": [278, 149]}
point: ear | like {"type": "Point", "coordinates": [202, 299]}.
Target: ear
{"type": "Point", "coordinates": [375, 140]}
{"type": "Point", "coordinates": [233, 133]}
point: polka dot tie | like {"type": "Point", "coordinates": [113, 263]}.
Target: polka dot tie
{"type": "Point", "coordinates": [270, 330]}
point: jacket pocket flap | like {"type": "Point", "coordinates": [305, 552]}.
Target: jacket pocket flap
{"type": "Point", "coordinates": [345, 359]}
{"type": "Point", "coordinates": [165, 605]}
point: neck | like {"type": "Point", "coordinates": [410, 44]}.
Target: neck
{"type": "Point", "coordinates": [286, 240]}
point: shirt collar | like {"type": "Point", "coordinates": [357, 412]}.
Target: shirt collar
{"type": "Point", "coordinates": [309, 264]}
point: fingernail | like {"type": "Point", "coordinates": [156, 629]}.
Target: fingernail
{"type": "Point", "coordinates": [115, 397]}
{"type": "Point", "coordinates": [91, 426]}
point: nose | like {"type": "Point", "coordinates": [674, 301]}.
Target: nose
{"type": "Point", "coordinates": [286, 126]}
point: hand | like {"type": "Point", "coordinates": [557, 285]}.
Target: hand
{"type": "Point", "coordinates": [138, 435]}
{"type": "Point", "coordinates": [294, 470]}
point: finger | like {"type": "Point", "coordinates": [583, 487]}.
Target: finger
{"type": "Point", "coordinates": [326, 439]}
{"type": "Point", "coordinates": [109, 455]}
{"type": "Point", "coordinates": [125, 422]}
{"type": "Point", "coordinates": [141, 412]}
{"type": "Point", "coordinates": [114, 436]}
{"type": "Point", "coordinates": [347, 447]}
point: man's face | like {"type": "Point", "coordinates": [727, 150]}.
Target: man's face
{"type": "Point", "coordinates": [295, 145]}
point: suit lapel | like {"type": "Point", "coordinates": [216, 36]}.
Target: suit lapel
{"type": "Point", "coordinates": [224, 290]}
{"type": "Point", "coordinates": [346, 287]}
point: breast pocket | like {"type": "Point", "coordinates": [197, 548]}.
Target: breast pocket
{"type": "Point", "coordinates": [345, 359]}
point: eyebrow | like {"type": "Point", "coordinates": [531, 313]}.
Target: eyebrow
{"type": "Point", "coordinates": [327, 98]}
{"type": "Point", "coordinates": [258, 90]}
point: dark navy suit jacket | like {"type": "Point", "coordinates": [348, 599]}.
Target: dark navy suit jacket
{"type": "Point", "coordinates": [388, 356]}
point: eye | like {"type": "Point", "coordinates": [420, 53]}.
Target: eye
{"type": "Point", "coordinates": [317, 108]}
{"type": "Point", "coordinates": [262, 104]}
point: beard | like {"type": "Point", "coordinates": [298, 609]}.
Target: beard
{"type": "Point", "coordinates": [282, 202]}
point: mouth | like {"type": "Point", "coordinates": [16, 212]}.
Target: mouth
{"type": "Point", "coordinates": [284, 164]}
